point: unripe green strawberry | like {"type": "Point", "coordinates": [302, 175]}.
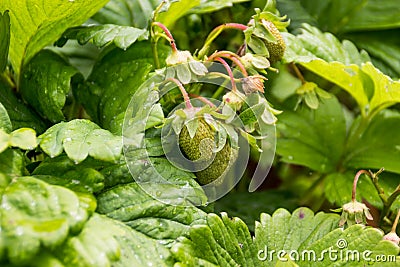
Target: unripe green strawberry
{"type": "Point", "coordinates": [201, 146]}
{"type": "Point", "coordinates": [276, 49]}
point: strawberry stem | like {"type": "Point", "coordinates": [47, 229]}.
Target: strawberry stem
{"type": "Point", "coordinates": [228, 69]}
{"type": "Point", "coordinates": [183, 92]}
{"type": "Point", "coordinates": [203, 99]}
{"type": "Point", "coordinates": [356, 177]}
{"type": "Point", "coordinates": [298, 73]}
{"type": "Point", "coordinates": [214, 34]}
{"type": "Point", "coordinates": [232, 56]}
{"type": "Point", "coordinates": [167, 33]}
{"type": "Point", "coordinates": [396, 221]}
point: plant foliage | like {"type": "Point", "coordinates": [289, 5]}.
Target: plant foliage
{"type": "Point", "coordinates": [73, 193]}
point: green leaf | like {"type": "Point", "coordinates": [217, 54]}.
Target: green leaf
{"type": "Point", "coordinates": [256, 203]}
{"type": "Point", "coordinates": [5, 122]}
{"type": "Point", "coordinates": [12, 164]}
{"type": "Point", "coordinates": [376, 147]}
{"type": "Point", "coordinates": [358, 82]}
{"type": "Point", "coordinates": [4, 39]}
{"type": "Point", "coordinates": [113, 81]}
{"type": "Point", "coordinates": [24, 138]}
{"type": "Point", "coordinates": [106, 242]}
{"type": "Point", "coordinates": [312, 44]}
{"type": "Point", "coordinates": [303, 132]}
{"type": "Point", "coordinates": [45, 83]}
{"type": "Point", "coordinates": [385, 55]}
{"type": "Point", "coordinates": [221, 242]}
{"type": "Point", "coordinates": [386, 91]}
{"type": "Point", "coordinates": [43, 23]}
{"type": "Point", "coordinates": [4, 140]}
{"type": "Point", "coordinates": [94, 246]}
{"type": "Point", "coordinates": [127, 12]}
{"type": "Point", "coordinates": [340, 16]}
{"type": "Point", "coordinates": [338, 188]}
{"type": "Point", "coordinates": [79, 139]}
{"type": "Point", "coordinates": [214, 5]}
{"type": "Point", "coordinates": [227, 242]}
{"type": "Point", "coordinates": [101, 35]}
{"type": "Point", "coordinates": [375, 15]}
{"type": "Point", "coordinates": [302, 237]}
{"type": "Point", "coordinates": [358, 241]}
{"type": "Point", "coordinates": [61, 170]}
{"type": "Point", "coordinates": [20, 114]}
{"type": "Point", "coordinates": [142, 212]}
{"type": "Point", "coordinates": [176, 10]}
{"type": "Point", "coordinates": [116, 174]}
{"type": "Point", "coordinates": [37, 215]}
{"type": "Point", "coordinates": [297, 231]}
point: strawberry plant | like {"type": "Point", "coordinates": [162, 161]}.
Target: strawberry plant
{"type": "Point", "coordinates": [199, 133]}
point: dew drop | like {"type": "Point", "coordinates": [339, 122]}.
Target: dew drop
{"type": "Point", "coordinates": [290, 157]}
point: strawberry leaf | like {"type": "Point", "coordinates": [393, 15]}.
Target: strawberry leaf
{"type": "Point", "coordinates": [176, 10]}
{"type": "Point", "coordinates": [48, 95]}
{"type": "Point", "coordinates": [43, 23]}
{"type": "Point", "coordinates": [342, 65]}
{"type": "Point", "coordinates": [79, 139]}
{"type": "Point", "coordinates": [126, 13]}
{"type": "Point", "coordinates": [12, 164]}
{"type": "Point", "coordinates": [5, 122]}
{"type": "Point", "coordinates": [385, 55]}
{"type": "Point", "coordinates": [101, 35]}
{"type": "Point", "coordinates": [4, 39]}
{"type": "Point", "coordinates": [312, 44]}
{"type": "Point", "coordinates": [142, 212]}
{"type": "Point", "coordinates": [303, 132]}
{"type": "Point", "coordinates": [84, 177]}
{"type": "Point", "coordinates": [24, 138]}
{"type": "Point", "coordinates": [20, 114]}
{"type": "Point", "coordinates": [375, 148]}
{"type": "Point", "coordinates": [335, 183]}
{"type": "Point", "coordinates": [36, 214]}
{"type": "Point", "coordinates": [114, 79]}
{"type": "Point", "coordinates": [301, 237]}
{"type": "Point", "coordinates": [341, 16]}
{"type": "Point", "coordinates": [214, 5]}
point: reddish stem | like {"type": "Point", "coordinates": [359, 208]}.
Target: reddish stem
{"type": "Point", "coordinates": [238, 26]}
{"type": "Point", "coordinates": [358, 174]}
{"type": "Point", "coordinates": [232, 56]}
{"type": "Point", "coordinates": [168, 33]}
{"type": "Point", "coordinates": [215, 32]}
{"type": "Point", "coordinates": [203, 99]}
{"type": "Point", "coordinates": [183, 92]}
{"type": "Point", "coordinates": [396, 221]}
{"type": "Point", "coordinates": [228, 69]}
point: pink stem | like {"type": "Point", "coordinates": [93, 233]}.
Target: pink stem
{"type": "Point", "coordinates": [238, 26]}
{"type": "Point", "coordinates": [168, 33]}
{"type": "Point", "coordinates": [232, 56]}
{"type": "Point", "coordinates": [203, 99]}
{"type": "Point", "coordinates": [183, 92]}
{"type": "Point", "coordinates": [228, 69]}
{"type": "Point", "coordinates": [358, 174]}
{"type": "Point", "coordinates": [396, 221]}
